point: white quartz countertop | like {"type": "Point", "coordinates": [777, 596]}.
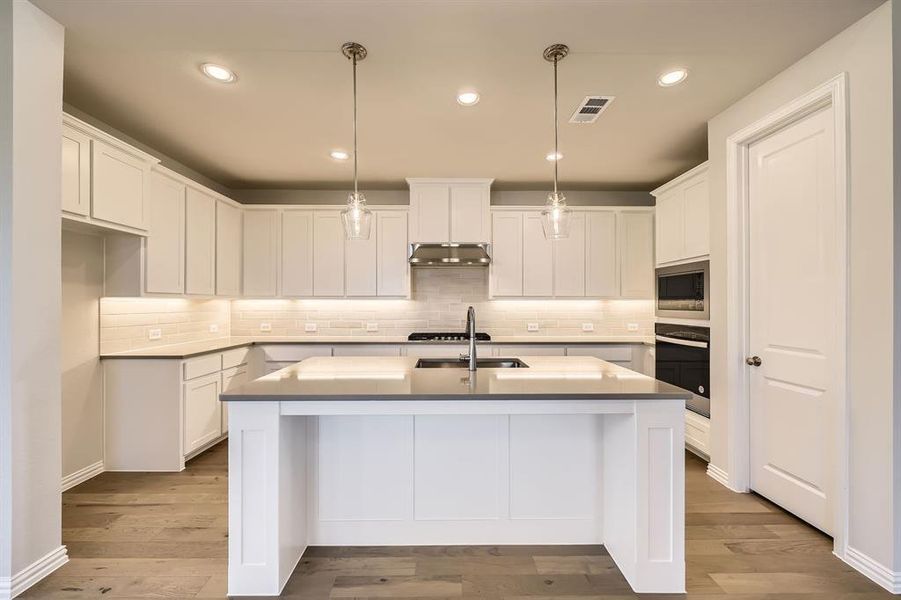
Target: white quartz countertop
{"type": "Point", "coordinates": [189, 349]}
{"type": "Point", "coordinates": [397, 378]}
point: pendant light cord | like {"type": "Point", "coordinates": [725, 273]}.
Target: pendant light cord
{"type": "Point", "coordinates": [356, 195]}
{"type": "Point", "coordinates": [556, 150]}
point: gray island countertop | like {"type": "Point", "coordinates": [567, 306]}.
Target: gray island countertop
{"type": "Point", "coordinates": [397, 378]}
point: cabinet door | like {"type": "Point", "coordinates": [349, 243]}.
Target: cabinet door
{"type": "Point", "coordinates": [430, 211]}
{"type": "Point", "coordinates": [231, 379]}
{"type": "Point", "coordinates": [537, 258]}
{"type": "Point", "coordinates": [506, 253]}
{"type": "Point", "coordinates": [120, 186]}
{"type": "Point", "coordinates": [165, 244]}
{"type": "Point", "coordinates": [569, 260]}
{"type": "Point", "coordinates": [200, 243]}
{"type": "Point", "coordinates": [297, 253]}
{"type": "Point", "coordinates": [361, 263]}
{"type": "Point", "coordinates": [696, 218]}
{"type": "Point", "coordinates": [670, 236]}
{"type": "Point", "coordinates": [260, 253]}
{"type": "Point", "coordinates": [76, 175]}
{"type": "Point", "coordinates": [469, 214]}
{"type": "Point", "coordinates": [202, 416]}
{"type": "Point", "coordinates": [393, 266]}
{"type": "Point", "coordinates": [228, 249]}
{"type": "Point", "coordinates": [601, 259]}
{"type": "Point", "coordinates": [636, 254]}
{"type": "Point", "coordinates": [328, 254]}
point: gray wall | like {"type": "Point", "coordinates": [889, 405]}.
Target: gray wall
{"type": "Point", "coordinates": [498, 198]}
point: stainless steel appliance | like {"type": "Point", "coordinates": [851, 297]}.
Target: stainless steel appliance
{"type": "Point", "coordinates": [449, 255]}
{"type": "Point", "coordinates": [683, 359]}
{"type": "Point", "coordinates": [683, 291]}
{"type": "Point", "coordinates": [442, 336]}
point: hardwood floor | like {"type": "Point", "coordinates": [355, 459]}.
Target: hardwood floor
{"type": "Point", "coordinates": [139, 535]}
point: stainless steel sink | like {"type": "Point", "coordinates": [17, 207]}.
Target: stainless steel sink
{"type": "Point", "coordinates": [482, 363]}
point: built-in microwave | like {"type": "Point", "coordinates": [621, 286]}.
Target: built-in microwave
{"type": "Point", "coordinates": [683, 291]}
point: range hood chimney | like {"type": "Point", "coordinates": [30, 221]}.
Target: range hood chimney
{"type": "Point", "coordinates": [449, 255]}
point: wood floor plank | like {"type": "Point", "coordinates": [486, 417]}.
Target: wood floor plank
{"type": "Point", "coordinates": [442, 586]}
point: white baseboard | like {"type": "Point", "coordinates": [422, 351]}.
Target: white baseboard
{"type": "Point", "coordinates": [82, 475]}
{"type": "Point", "coordinates": [879, 573]}
{"type": "Point", "coordinates": [10, 587]}
{"type": "Point", "coordinates": [720, 476]}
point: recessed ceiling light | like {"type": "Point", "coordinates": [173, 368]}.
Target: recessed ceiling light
{"type": "Point", "coordinates": [552, 156]}
{"type": "Point", "coordinates": [339, 154]}
{"type": "Point", "coordinates": [672, 77]}
{"type": "Point", "coordinates": [218, 72]}
{"type": "Point", "coordinates": [468, 98]}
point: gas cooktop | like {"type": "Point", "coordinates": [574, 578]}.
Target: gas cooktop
{"type": "Point", "coordinates": [441, 336]}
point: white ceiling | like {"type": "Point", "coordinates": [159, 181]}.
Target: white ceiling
{"type": "Point", "coordinates": [135, 66]}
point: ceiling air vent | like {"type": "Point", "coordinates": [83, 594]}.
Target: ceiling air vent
{"type": "Point", "coordinates": [590, 109]}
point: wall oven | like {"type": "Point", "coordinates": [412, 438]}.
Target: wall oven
{"type": "Point", "coordinates": [682, 291]}
{"type": "Point", "coordinates": [682, 358]}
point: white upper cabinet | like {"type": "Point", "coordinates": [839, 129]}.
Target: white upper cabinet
{"type": "Point", "coordinates": [506, 253]}
{"type": "Point", "coordinates": [328, 253]}
{"type": "Point", "coordinates": [450, 210]}
{"type": "Point", "coordinates": [537, 258]}
{"type": "Point", "coordinates": [229, 225]}
{"type": "Point", "coordinates": [609, 253]}
{"type": "Point", "coordinates": [361, 263]}
{"type": "Point", "coordinates": [120, 186]}
{"type": "Point", "coordinates": [393, 275]}
{"type": "Point", "coordinates": [165, 244]}
{"type": "Point", "coordinates": [569, 260]}
{"type": "Point", "coordinates": [200, 243]}
{"type": "Point", "coordinates": [260, 266]}
{"type": "Point", "coordinates": [601, 255]}
{"type": "Point", "coordinates": [636, 234]}
{"type": "Point", "coordinates": [683, 218]}
{"type": "Point", "coordinates": [76, 175]}
{"type": "Point", "coordinates": [297, 253]}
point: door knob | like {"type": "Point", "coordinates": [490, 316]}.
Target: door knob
{"type": "Point", "coordinates": [753, 361]}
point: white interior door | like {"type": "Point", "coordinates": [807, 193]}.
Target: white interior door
{"type": "Point", "coordinates": [793, 322]}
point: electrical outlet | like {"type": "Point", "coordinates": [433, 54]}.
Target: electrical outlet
{"type": "Point", "coordinates": [265, 326]}
{"type": "Point", "coordinates": [155, 333]}
{"type": "Point", "coordinates": [587, 326]}
{"type": "Point", "coordinates": [632, 326]}
{"type": "Point", "coordinates": [214, 328]}
{"type": "Point", "coordinates": [310, 327]}
{"type": "Point", "coordinates": [532, 327]}
{"type": "Point", "coordinates": [372, 326]}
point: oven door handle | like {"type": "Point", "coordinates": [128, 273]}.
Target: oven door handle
{"type": "Point", "coordinates": [677, 341]}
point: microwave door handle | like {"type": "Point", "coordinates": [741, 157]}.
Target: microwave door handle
{"type": "Point", "coordinates": [677, 341]}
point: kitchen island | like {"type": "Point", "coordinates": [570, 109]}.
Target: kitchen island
{"type": "Point", "coordinates": [377, 451]}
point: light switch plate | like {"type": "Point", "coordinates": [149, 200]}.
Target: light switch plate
{"type": "Point", "coordinates": [214, 328]}
{"type": "Point", "coordinates": [310, 327]}
{"type": "Point", "coordinates": [532, 327]}
{"type": "Point", "coordinates": [632, 326]}
{"type": "Point", "coordinates": [265, 326]}
{"type": "Point", "coordinates": [587, 326]}
{"type": "Point", "coordinates": [155, 333]}
{"type": "Point", "coordinates": [372, 326]}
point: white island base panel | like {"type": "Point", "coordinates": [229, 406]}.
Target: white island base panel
{"type": "Point", "coordinates": [369, 473]}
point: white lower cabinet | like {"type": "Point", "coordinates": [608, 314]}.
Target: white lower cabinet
{"type": "Point", "coordinates": [618, 354]}
{"type": "Point", "coordinates": [366, 350]}
{"type": "Point", "coordinates": [203, 418]}
{"type": "Point", "coordinates": [527, 350]}
{"type": "Point", "coordinates": [231, 379]}
{"type": "Point", "coordinates": [440, 350]}
{"type": "Point", "coordinates": [697, 434]}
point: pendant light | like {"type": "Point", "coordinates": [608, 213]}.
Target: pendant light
{"type": "Point", "coordinates": [555, 216]}
{"type": "Point", "coordinates": [356, 217]}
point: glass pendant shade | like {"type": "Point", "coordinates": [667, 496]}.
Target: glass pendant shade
{"type": "Point", "coordinates": [356, 217]}
{"type": "Point", "coordinates": [555, 217]}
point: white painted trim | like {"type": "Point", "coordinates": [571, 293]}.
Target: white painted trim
{"type": "Point", "coordinates": [873, 569]}
{"type": "Point", "coordinates": [721, 477]}
{"type": "Point", "coordinates": [679, 180]}
{"type": "Point", "coordinates": [450, 180]}
{"type": "Point", "coordinates": [90, 130]}
{"type": "Point", "coordinates": [585, 208]}
{"type": "Point", "coordinates": [82, 475]}
{"type": "Point", "coordinates": [834, 93]}
{"type": "Point", "coordinates": [10, 587]}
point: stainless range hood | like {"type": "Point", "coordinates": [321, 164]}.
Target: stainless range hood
{"type": "Point", "coordinates": [449, 255]}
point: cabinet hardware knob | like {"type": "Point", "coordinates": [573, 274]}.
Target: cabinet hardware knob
{"type": "Point", "coordinates": [753, 361]}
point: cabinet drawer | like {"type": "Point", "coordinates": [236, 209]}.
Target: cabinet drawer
{"type": "Point", "coordinates": [202, 365]}
{"type": "Point", "coordinates": [611, 352]}
{"type": "Point", "coordinates": [294, 353]}
{"type": "Point", "coordinates": [526, 350]}
{"type": "Point", "coordinates": [233, 358]}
